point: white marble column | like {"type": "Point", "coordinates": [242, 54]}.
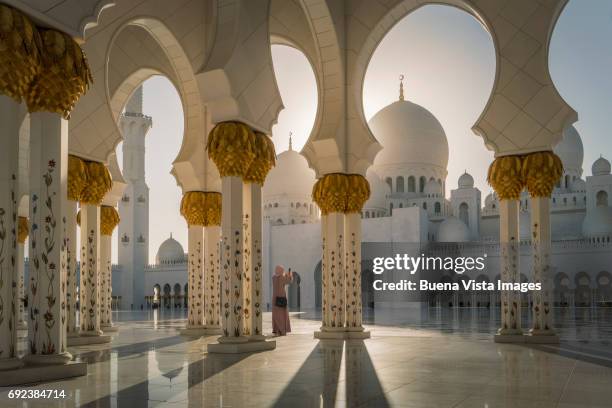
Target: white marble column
{"type": "Point", "coordinates": [352, 265]}
{"type": "Point", "coordinates": [211, 279]}
{"type": "Point", "coordinates": [332, 264]}
{"type": "Point", "coordinates": [90, 267]}
{"type": "Point", "coordinates": [196, 320]}
{"type": "Point", "coordinates": [10, 119]}
{"type": "Point", "coordinates": [252, 278]}
{"type": "Point", "coordinates": [232, 315]}
{"type": "Point", "coordinates": [71, 269]}
{"type": "Point", "coordinates": [47, 268]}
{"type": "Point", "coordinates": [509, 258]}
{"type": "Point", "coordinates": [106, 266]}
{"type": "Point", "coordinates": [542, 318]}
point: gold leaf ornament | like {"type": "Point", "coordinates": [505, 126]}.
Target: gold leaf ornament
{"type": "Point", "coordinates": [265, 159]}
{"type": "Point", "coordinates": [506, 177]}
{"type": "Point", "coordinates": [541, 171]}
{"type": "Point", "coordinates": [20, 48]}
{"type": "Point", "coordinates": [201, 208]}
{"type": "Point", "coordinates": [109, 219]}
{"type": "Point", "coordinates": [231, 146]}
{"type": "Point", "coordinates": [77, 177]}
{"type": "Point", "coordinates": [65, 75]}
{"type": "Point", "coordinates": [99, 182]}
{"type": "Point", "coordinates": [341, 193]}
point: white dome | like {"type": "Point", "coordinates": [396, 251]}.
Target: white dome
{"type": "Point", "coordinates": [291, 176]}
{"type": "Point", "coordinates": [378, 191]}
{"type": "Point", "coordinates": [466, 181]}
{"type": "Point", "coordinates": [601, 167]}
{"type": "Point", "coordinates": [598, 222]}
{"type": "Point", "coordinates": [578, 185]}
{"type": "Point", "coordinates": [170, 251]}
{"type": "Point", "coordinates": [453, 229]}
{"type": "Point", "coordinates": [433, 187]}
{"type": "Point", "coordinates": [570, 150]}
{"type": "Point", "coordinates": [409, 134]}
{"type": "Point", "coordinates": [490, 199]}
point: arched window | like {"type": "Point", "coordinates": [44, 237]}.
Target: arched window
{"type": "Point", "coordinates": [275, 205]}
{"type": "Point", "coordinates": [463, 213]}
{"type": "Point", "coordinates": [391, 208]}
{"type": "Point", "coordinates": [401, 205]}
{"type": "Point", "coordinates": [602, 199]}
{"type": "Point", "coordinates": [422, 181]}
{"type": "Point", "coordinates": [424, 205]}
{"type": "Point", "coordinates": [567, 181]}
{"type": "Point", "coordinates": [293, 221]}
{"type": "Point", "coordinates": [411, 184]}
{"type": "Point", "coordinates": [291, 205]}
{"type": "Point", "coordinates": [437, 208]}
{"type": "Point", "coordinates": [367, 214]}
{"type": "Point", "coordinates": [399, 184]}
{"type": "Point", "coordinates": [297, 205]}
{"type": "Point", "coordinates": [389, 182]}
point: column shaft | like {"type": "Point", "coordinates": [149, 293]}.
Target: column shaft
{"type": "Point", "coordinates": [542, 322]}
{"type": "Point", "coordinates": [252, 279]}
{"type": "Point", "coordinates": [352, 265]}
{"type": "Point", "coordinates": [196, 317]}
{"type": "Point", "coordinates": [90, 270]}
{"type": "Point", "coordinates": [232, 261]}
{"type": "Point", "coordinates": [333, 272]}
{"type": "Point", "coordinates": [71, 269]}
{"type": "Point", "coordinates": [212, 278]}
{"type": "Point", "coordinates": [105, 281]}
{"type": "Point", "coordinates": [9, 154]}
{"type": "Point", "coordinates": [47, 268]}
{"type": "Point", "coordinates": [21, 322]}
{"type": "Point", "coordinates": [509, 250]}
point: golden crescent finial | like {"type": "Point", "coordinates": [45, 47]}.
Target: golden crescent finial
{"type": "Point", "coordinates": [401, 93]}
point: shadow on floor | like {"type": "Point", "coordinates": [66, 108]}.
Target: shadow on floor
{"type": "Point", "coordinates": [319, 381]}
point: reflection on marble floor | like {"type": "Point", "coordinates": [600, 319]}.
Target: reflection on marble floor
{"type": "Point", "coordinates": [431, 358]}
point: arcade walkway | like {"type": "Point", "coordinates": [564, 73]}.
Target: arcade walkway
{"type": "Point", "coordinates": [449, 361]}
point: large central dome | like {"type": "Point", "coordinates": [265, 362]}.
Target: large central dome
{"type": "Point", "coordinates": [409, 134]}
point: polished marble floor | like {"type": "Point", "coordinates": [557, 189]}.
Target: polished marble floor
{"type": "Point", "coordinates": [427, 358]}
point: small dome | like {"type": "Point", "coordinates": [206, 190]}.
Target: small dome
{"type": "Point", "coordinates": [291, 176]}
{"type": "Point", "coordinates": [433, 187]}
{"type": "Point", "coordinates": [490, 199]}
{"type": "Point", "coordinates": [570, 150]}
{"type": "Point", "coordinates": [578, 186]}
{"type": "Point", "coordinates": [409, 134]}
{"type": "Point", "coordinates": [601, 167]}
{"type": "Point", "coordinates": [466, 181]}
{"type": "Point", "coordinates": [170, 251]}
{"type": "Point", "coordinates": [453, 229]}
{"type": "Point", "coordinates": [378, 191]}
{"type": "Point", "coordinates": [598, 222]}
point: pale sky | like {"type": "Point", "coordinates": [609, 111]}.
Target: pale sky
{"type": "Point", "coordinates": [448, 62]}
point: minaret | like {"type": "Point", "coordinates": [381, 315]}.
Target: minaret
{"type": "Point", "coordinates": [134, 206]}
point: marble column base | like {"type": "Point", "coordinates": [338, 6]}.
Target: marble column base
{"type": "Point", "coordinates": [91, 333]}
{"type": "Point", "coordinates": [47, 359]}
{"type": "Point", "coordinates": [85, 340]}
{"type": "Point", "coordinates": [200, 331]}
{"type": "Point", "coordinates": [109, 329]}
{"type": "Point", "coordinates": [542, 337]}
{"type": "Point", "coordinates": [9, 364]}
{"type": "Point", "coordinates": [341, 334]}
{"type": "Point", "coordinates": [242, 347]}
{"type": "Point", "coordinates": [38, 374]}
{"type": "Point", "coordinates": [509, 338]}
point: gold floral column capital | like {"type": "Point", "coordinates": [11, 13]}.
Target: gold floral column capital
{"type": "Point", "coordinates": [99, 182]}
{"type": "Point", "coordinates": [23, 229]}
{"type": "Point", "coordinates": [264, 160]}
{"type": "Point", "coordinates": [63, 78]}
{"type": "Point", "coordinates": [231, 146]}
{"type": "Point", "coordinates": [506, 177]}
{"type": "Point", "coordinates": [20, 46]}
{"type": "Point", "coordinates": [201, 208]}
{"type": "Point", "coordinates": [77, 177]}
{"type": "Point", "coordinates": [541, 171]}
{"type": "Point", "coordinates": [341, 193]}
{"type": "Point", "coordinates": [109, 219]}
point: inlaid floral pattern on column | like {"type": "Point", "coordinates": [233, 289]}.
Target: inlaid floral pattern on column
{"type": "Point", "coordinates": [353, 283]}
{"type": "Point", "coordinates": [257, 322]}
{"type": "Point", "coordinates": [232, 285]}
{"type": "Point", "coordinates": [509, 299]}
{"type": "Point", "coordinates": [337, 282]}
{"type": "Point", "coordinates": [71, 286]}
{"type": "Point", "coordinates": [212, 284]}
{"type": "Point", "coordinates": [246, 276]}
{"type": "Point", "coordinates": [195, 286]}
{"type": "Point", "coordinates": [324, 280]}
{"type": "Point", "coordinates": [542, 317]}
{"type": "Point", "coordinates": [92, 296]}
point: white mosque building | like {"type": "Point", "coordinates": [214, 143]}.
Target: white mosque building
{"type": "Point", "coordinates": [407, 209]}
